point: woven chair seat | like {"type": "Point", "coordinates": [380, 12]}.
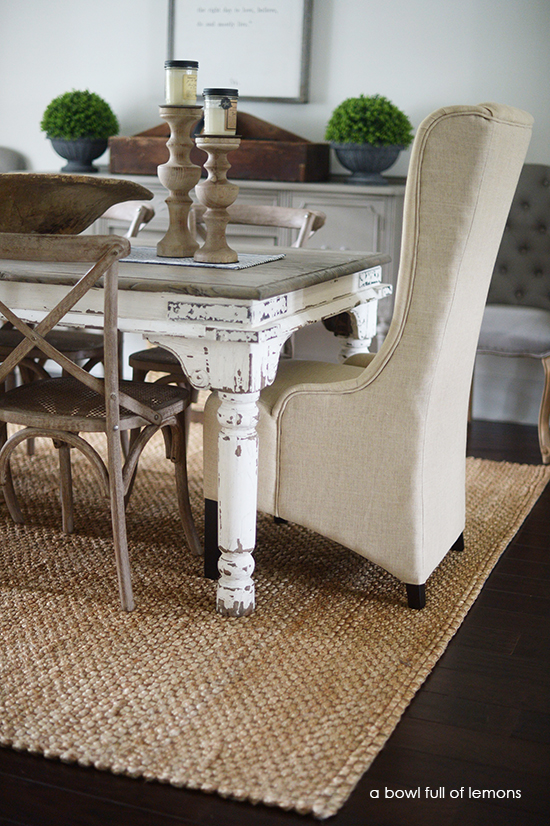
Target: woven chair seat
{"type": "Point", "coordinates": [75, 344]}
{"type": "Point", "coordinates": [70, 405]}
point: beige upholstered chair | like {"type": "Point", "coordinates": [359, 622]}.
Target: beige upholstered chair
{"type": "Point", "coordinates": [62, 408]}
{"type": "Point", "coordinates": [371, 453]}
{"type": "Point", "coordinates": [305, 221]}
{"type": "Point", "coordinates": [516, 321]}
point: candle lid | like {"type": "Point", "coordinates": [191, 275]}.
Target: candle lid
{"type": "Point", "coordinates": [181, 64]}
{"type": "Point", "coordinates": [232, 93]}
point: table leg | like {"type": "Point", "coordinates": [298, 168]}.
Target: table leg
{"type": "Point", "coordinates": [237, 498]}
{"type": "Point", "coordinates": [363, 329]}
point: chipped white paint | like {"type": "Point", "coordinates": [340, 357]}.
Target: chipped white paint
{"type": "Point", "coordinates": [235, 595]}
{"type": "Point", "coordinates": [237, 496]}
{"type": "Point", "coordinates": [226, 365]}
{"type": "Point", "coordinates": [231, 344]}
{"type": "Point", "coordinates": [367, 277]}
{"type": "Point", "coordinates": [237, 313]}
{"type": "Point", "coordinates": [363, 329]}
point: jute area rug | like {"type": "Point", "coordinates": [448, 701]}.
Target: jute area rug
{"type": "Point", "coordinates": [289, 706]}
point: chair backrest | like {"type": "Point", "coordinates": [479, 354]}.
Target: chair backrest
{"type": "Point", "coordinates": [522, 270]}
{"type": "Point", "coordinates": [463, 172]}
{"type": "Point", "coordinates": [306, 221]}
{"type": "Point", "coordinates": [135, 213]}
{"type": "Point", "coordinates": [103, 253]}
{"type": "Point", "coordinates": [464, 168]}
{"type": "Point", "coordinates": [399, 425]}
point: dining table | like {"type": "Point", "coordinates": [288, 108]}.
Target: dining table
{"type": "Point", "coordinates": [227, 325]}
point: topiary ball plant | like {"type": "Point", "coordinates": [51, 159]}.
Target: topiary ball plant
{"type": "Point", "coordinates": [79, 115]}
{"type": "Point", "coordinates": [367, 134]}
{"type": "Point", "coordinates": [79, 123]}
{"type": "Point", "coordinates": [375, 120]}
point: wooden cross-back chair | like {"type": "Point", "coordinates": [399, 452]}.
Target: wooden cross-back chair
{"type": "Point", "coordinates": [305, 221]}
{"type": "Point", "coordinates": [62, 408]}
{"type": "Point", "coordinates": [66, 204]}
{"type": "Point", "coordinates": [81, 346]}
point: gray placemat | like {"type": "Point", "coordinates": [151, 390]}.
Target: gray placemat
{"type": "Point", "coordinates": [148, 255]}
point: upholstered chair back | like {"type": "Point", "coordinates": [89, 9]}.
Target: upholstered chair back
{"type": "Point", "coordinates": [393, 455]}
{"type": "Point", "coordinates": [463, 173]}
{"type": "Point", "coordinates": [522, 270]}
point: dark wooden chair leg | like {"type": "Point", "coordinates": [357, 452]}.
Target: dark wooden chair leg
{"type": "Point", "coordinates": [178, 455]}
{"type": "Point", "coordinates": [416, 595]}
{"type": "Point", "coordinates": [280, 521]}
{"type": "Point", "coordinates": [459, 544]}
{"type": "Point", "coordinates": [211, 550]}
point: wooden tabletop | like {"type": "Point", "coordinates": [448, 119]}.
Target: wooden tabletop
{"type": "Point", "coordinates": [300, 268]}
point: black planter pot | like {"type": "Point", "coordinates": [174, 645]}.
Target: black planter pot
{"type": "Point", "coordinates": [79, 152]}
{"type": "Point", "coordinates": [365, 161]}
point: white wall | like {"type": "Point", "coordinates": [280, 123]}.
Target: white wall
{"type": "Point", "coordinates": [421, 54]}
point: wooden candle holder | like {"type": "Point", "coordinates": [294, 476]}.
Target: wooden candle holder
{"type": "Point", "coordinates": [179, 175]}
{"type": "Point", "coordinates": [216, 194]}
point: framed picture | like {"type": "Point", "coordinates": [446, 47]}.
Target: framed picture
{"type": "Point", "coordinates": [259, 48]}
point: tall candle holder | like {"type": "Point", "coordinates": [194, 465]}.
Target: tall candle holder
{"type": "Point", "coordinates": [179, 175]}
{"type": "Point", "coordinates": [216, 193]}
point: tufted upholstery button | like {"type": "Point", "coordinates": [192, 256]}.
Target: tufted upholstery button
{"type": "Point", "coordinates": [546, 182]}
{"type": "Point", "coordinates": [519, 294]}
{"type": "Point", "coordinates": [537, 272]}
{"type": "Point", "coordinates": [542, 229]}
{"type": "Point", "coordinates": [503, 269]}
{"type": "Point", "coordinates": [523, 248]}
{"type": "Point", "coordinates": [525, 205]}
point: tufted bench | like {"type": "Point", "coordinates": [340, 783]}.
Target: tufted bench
{"type": "Point", "coordinates": [516, 321]}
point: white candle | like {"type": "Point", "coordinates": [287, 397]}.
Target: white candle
{"type": "Point", "coordinates": [180, 82]}
{"type": "Point", "coordinates": [220, 111]}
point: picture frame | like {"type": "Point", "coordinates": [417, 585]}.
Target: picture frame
{"type": "Point", "coordinates": [262, 49]}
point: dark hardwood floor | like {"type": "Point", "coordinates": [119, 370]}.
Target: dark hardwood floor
{"type": "Point", "coordinates": [480, 723]}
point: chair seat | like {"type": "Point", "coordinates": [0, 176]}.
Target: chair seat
{"type": "Point", "coordinates": [75, 344]}
{"type": "Point", "coordinates": [66, 404]}
{"type": "Point", "coordinates": [154, 355]}
{"type": "Point", "coordinates": [510, 330]}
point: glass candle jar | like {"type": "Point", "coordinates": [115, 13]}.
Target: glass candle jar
{"type": "Point", "coordinates": [220, 111]}
{"type": "Point", "coordinates": [180, 82]}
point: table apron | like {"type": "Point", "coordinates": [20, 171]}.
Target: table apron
{"type": "Point", "coordinates": [191, 317]}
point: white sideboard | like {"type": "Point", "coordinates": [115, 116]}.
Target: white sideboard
{"type": "Point", "coordinates": [359, 218]}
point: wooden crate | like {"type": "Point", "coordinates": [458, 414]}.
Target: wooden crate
{"type": "Point", "coordinates": [266, 153]}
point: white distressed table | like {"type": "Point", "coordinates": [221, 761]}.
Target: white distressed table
{"type": "Point", "coordinates": [227, 328]}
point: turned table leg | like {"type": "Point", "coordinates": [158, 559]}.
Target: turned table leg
{"type": "Point", "coordinates": [237, 498]}
{"type": "Point", "coordinates": [363, 329]}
